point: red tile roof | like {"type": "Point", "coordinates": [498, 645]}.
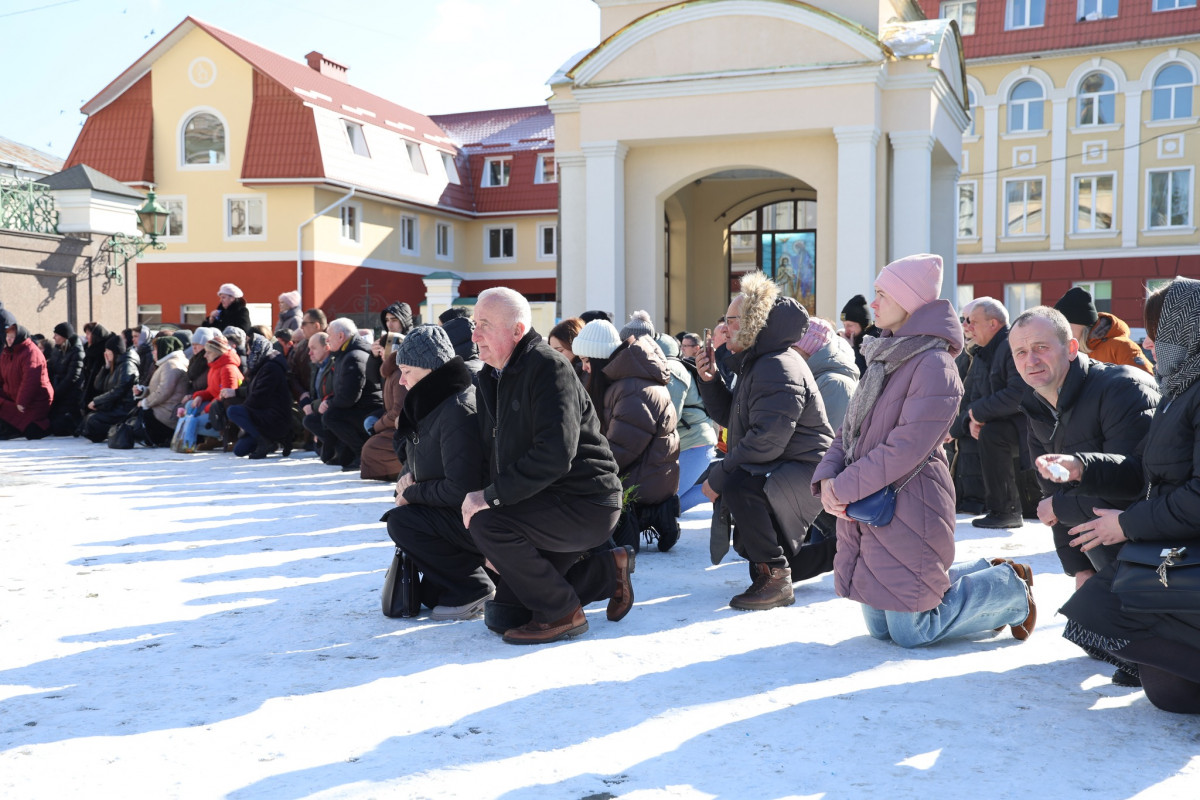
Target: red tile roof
{"type": "Point", "coordinates": [28, 158]}
{"type": "Point", "coordinates": [521, 194]}
{"type": "Point", "coordinates": [521, 132]}
{"type": "Point", "coordinates": [282, 139]}
{"type": "Point", "coordinates": [1135, 22]}
{"type": "Point", "coordinates": [118, 139]}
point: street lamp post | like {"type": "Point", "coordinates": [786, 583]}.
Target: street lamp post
{"type": "Point", "coordinates": [152, 222]}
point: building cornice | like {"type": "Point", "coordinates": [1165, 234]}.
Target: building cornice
{"type": "Point", "coordinates": [731, 82]}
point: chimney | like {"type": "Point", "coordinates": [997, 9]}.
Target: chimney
{"type": "Point", "coordinates": [327, 66]}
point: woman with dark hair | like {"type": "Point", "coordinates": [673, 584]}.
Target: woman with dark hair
{"type": "Point", "coordinates": [1161, 649]}
{"type": "Point", "coordinates": [562, 337]}
{"type": "Point", "coordinates": [115, 385]}
{"type": "Point", "coordinates": [93, 361]}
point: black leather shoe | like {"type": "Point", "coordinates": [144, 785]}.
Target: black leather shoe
{"type": "Point", "coordinates": [999, 521]}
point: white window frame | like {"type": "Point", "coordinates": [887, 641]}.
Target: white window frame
{"type": "Point", "coordinates": [416, 159]}
{"type": "Point", "coordinates": [485, 180]}
{"type": "Point", "coordinates": [356, 138]}
{"type": "Point", "coordinates": [974, 186]}
{"type": "Point", "coordinates": [180, 158]}
{"type": "Point", "coordinates": [226, 230]}
{"type": "Point", "coordinates": [354, 212]}
{"type": "Point", "coordinates": [410, 239]}
{"type": "Point", "coordinates": [149, 310]}
{"type": "Point", "coordinates": [501, 259]}
{"type": "Point", "coordinates": [444, 235]}
{"type": "Point", "coordinates": [539, 176]}
{"type": "Point", "coordinates": [1173, 5]}
{"type": "Point", "coordinates": [1075, 185]}
{"type": "Point", "coordinates": [1097, 98]}
{"type": "Point", "coordinates": [1025, 105]}
{"type": "Point", "coordinates": [953, 9]}
{"type": "Point", "coordinates": [1092, 10]}
{"type": "Point", "coordinates": [1015, 310]}
{"type": "Point", "coordinates": [1191, 184]}
{"type": "Point", "coordinates": [166, 201]}
{"type": "Point", "coordinates": [542, 255]}
{"type": "Point", "coordinates": [1026, 234]}
{"type": "Point", "coordinates": [972, 104]}
{"type": "Point", "coordinates": [1011, 9]}
{"type": "Point", "coordinates": [1172, 89]}
{"type": "Point", "coordinates": [194, 310]}
{"type": "Point", "coordinates": [451, 169]}
{"type": "Point", "coordinates": [1091, 287]}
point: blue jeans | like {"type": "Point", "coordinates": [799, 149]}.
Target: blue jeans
{"type": "Point", "coordinates": [981, 597]}
{"type": "Point", "coordinates": [369, 422]}
{"type": "Point", "coordinates": [246, 445]}
{"type": "Point", "coordinates": [692, 463]}
{"type": "Point", "coordinates": [204, 429]}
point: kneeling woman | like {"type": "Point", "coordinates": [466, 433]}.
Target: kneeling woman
{"type": "Point", "coordinates": [439, 442]}
{"type": "Point", "coordinates": [167, 390]}
{"type": "Point", "coordinates": [265, 417]}
{"type": "Point", "coordinates": [224, 377]}
{"type": "Point", "coordinates": [892, 435]}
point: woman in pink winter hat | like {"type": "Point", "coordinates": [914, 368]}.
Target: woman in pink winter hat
{"type": "Point", "coordinates": [892, 435]}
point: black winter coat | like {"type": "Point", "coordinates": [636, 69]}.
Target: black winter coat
{"type": "Point", "coordinates": [541, 431]}
{"type": "Point", "coordinates": [352, 385]}
{"type": "Point", "coordinates": [269, 400]}
{"type": "Point", "coordinates": [236, 315]}
{"type": "Point", "coordinates": [197, 372]}
{"type": "Point", "coordinates": [66, 372]}
{"type": "Point", "coordinates": [997, 393]}
{"type": "Point", "coordinates": [438, 440]}
{"type": "Point", "coordinates": [969, 491]}
{"type": "Point", "coordinates": [93, 363]}
{"type": "Point", "coordinates": [117, 385]}
{"type": "Point", "coordinates": [1102, 408]}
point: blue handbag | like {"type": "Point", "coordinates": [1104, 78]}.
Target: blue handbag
{"type": "Point", "coordinates": [878, 508]}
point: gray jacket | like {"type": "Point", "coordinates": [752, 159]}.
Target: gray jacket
{"type": "Point", "coordinates": [837, 377]}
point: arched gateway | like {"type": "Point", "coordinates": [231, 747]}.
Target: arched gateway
{"type": "Point", "coordinates": [703, 138]}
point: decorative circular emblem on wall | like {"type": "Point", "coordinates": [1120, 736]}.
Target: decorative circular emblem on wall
{"type": "Point", "coordinates": [202, 72]}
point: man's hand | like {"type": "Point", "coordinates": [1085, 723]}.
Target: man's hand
{"type": "Point", "coordinates": [1071, 464]}
{"type": "Point", "coordinates": [1045, 512]}
{"type": "Point", "coordinates": [227, 393]}
{"type": "Point", "coordinates": [709, 492]}
{"type": "Point", "coordinates": [92, 406]}
{"type": "Point", "coordinates": [975, 425]}
{"type": "Point", "coordinates": [473, 503]}
{"type": "Point", "coordinates": [377, 349]}
{"type": "Point", "coordinates": [307, 409]}
{"type": "Point", "coordinates": [323, 407]}
{"type": "Point", "coordinates": [830, 501]}
{"type": "Point", "coordinates": [1104, 529]}
{"type": "Point", "coordinates": [402, 483]}
{"type": "Point", "coordinates": [705, 366]}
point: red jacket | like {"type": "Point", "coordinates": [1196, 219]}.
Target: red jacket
{"type": "Point", "coordinates": [24, 382]}
{"type": "Point", "coordinates": [223, 373]}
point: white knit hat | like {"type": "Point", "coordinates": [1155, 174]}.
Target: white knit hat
{"type": "Point", "coordinates": [598, 339]}
{"type": "Point", "coordinates": [201, 335]}
{"type": "Point", "coordinates": [230, 289]}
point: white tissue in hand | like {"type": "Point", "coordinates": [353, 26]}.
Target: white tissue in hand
{"type": "Point", "coordinates": [1058, 472]}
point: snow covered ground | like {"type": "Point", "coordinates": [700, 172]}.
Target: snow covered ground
{"type": "Point", "coordinates": [204, 626]}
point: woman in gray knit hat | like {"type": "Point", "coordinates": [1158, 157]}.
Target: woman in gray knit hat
{"type": "Point", "coordinates": [438, 441]}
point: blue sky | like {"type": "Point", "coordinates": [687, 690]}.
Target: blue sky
{"type": "Point", "coordinates": [434, 56]}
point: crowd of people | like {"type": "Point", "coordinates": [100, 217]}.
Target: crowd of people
{"type": "Point", "coordinates": [530, 473]}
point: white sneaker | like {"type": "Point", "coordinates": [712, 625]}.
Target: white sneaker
{"type": "Point", "coordinates": [469, 610]}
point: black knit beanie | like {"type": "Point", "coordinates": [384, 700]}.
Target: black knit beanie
{"type": "Point", "coordinates": [64, 330]}
{"type": "Point", "coordinates": [1077, 306]}
{"type": "Point", "coordinates": [116, 343]}
{"type": "Point", "coordinates": [857, 311]}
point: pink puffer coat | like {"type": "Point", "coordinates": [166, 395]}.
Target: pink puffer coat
{"type": "Point", "coordinates": [902, 567]}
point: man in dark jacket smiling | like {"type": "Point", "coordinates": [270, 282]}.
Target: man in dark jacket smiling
{"type": "Point", "coordinates": [553, 493]}
{"type": "Point", "coordinates": [1077, 405]}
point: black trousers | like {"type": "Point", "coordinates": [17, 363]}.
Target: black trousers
{"type": "Point", "coordinates": [999, 448]}
{"type": "Point", "coordinates": [157, 434]}
{"type": "Point", "coordinates": [533, 543]}
{"type": "Point", "coordinates": [329, 443]}
{"type": "Point", "coordinates": [445, 553]}
{"type": "Point", "coordinates": [1073, 560]}
{"type": "Point", "coordinates": [1170, 673]}
{"type": "Point", "coordinates": [758, 535]}
{"type": "Point", "coordinates": [346, 426]}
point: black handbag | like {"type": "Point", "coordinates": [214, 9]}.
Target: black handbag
{"type": "Point", "coordinates": [1159, 577]}
{"type": "Point", "coordinates": [401, 595]}
{"type": "Point", "coordinates": [878, 508]}
{"type": "Point", "coordinates": [127, 434]}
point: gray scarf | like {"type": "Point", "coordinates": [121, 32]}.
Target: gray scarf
{"type": "Point", "coordinates": [884, 356]}
{"type": "Point", "coordinates": [1177, 347]}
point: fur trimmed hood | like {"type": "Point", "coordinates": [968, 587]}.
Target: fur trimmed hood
{"type": "Point", "coordinates": [758, 298]}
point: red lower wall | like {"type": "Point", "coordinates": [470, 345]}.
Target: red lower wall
{"type": "Point", "coordinates": [1128, 275]}
{"type": "Point", "coordinates": [337, 289]}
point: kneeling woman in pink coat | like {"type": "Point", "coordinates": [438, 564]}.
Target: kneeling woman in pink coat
{"type": "Point", "coordinates": [893, 433]}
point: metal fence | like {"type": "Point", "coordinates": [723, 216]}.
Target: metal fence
{"type": "Point", "coordinates": [26, 206]}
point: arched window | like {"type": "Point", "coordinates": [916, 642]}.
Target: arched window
{"type": "Point", "coordinates": [781, 240]}
{"type": "Point", "coordinates": [1172, 93]}
{"type": "Point", "coordinates": [971, 106]}
{"type": "Point", "coordinates": [1097, 101]}
{"type": "Point", "coordinates": [1025, 107]}
{"type": "Point", "coordinates": [203, 139]}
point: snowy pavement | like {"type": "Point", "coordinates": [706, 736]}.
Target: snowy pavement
{"type": "Point", "coordinates": [204, 626]}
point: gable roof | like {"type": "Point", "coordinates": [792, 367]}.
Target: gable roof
{"type": "Point", "coordinates": [297, 77]}
{"type": "Point", "coordinates": [81, 176]}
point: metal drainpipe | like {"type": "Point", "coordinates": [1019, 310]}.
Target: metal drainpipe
{"type": "Point", "coordinates": [300, 240]}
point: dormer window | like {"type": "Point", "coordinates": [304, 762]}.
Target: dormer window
{"type": "Point", "coordinates": [356, 138]}
{"type": "Point", "coordinates": [496, 171]}
{"type": "Point", "coordinates": [545, 169]}
{"type": "Point", "coordinates": [451, 169]}
{"type": "Point", "coordinates": [415, 159]}
{"type": "Point", "coordinates": [204, 140]}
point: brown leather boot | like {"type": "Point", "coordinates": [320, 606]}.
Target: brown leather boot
{"type": "Point", "coordinates": [622, 596]}
{"type": "Point", "coordinates": [534, 632]}
{"type": "Point", "coordinates": [772, 588]}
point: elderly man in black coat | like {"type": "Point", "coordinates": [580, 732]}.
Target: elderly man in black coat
{"type": "Point", "coordinates": [546, 518]}
{"type": "Point", "coordinates": [778, 434]}
{"type": "Point", "coordinates": [355, 395]}
{"type": "Point", "coordinates": [1077, 405]}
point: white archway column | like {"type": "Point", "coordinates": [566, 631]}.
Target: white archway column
{"type": "Point", "coordinates": [856, 253]}
{"type": "Point", "coordinates": [987, 201]}
{"type": "Point", "coordinates": [943, 238]}
{"type": "Point", "coordinates": [1131, 215]}
{"type": "Point", "coordinates": [572, 221]}
{"type": "Point", "coordinates": [1059, 190]}
{"type": "Point", "coordinates": [912, 192]}
{"type": "Point", "coordinates": [605, 238]}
